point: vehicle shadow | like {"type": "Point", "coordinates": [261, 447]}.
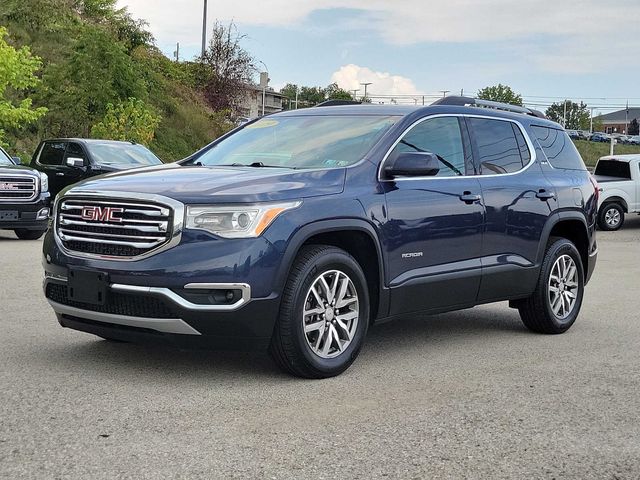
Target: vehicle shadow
{"type": "Point", "coordinates": [158, 363]}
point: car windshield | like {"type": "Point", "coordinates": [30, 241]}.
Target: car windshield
{"type": "Point", "coordinates": [303, 141]}
{"type": "Point", "coordinates": [123, 154]}
{"type": "Point", "coordinates": [4, 158]}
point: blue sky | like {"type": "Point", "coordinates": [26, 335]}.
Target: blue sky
{"type": "Point", "coordinates": [544, 49]}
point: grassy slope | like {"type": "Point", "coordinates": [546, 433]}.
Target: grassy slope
{"type": "Point", "coordinates": [592, 151]}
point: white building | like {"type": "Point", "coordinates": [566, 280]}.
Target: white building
{"type": "Point", "coordinates": [252, 103]}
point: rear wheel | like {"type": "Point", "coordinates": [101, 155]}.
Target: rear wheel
{"type": "Point", "coordinates": [611, 217]}
{"type": "Point", "coordinates": [556, 302]}
{"type": "Point", "coordinates": [324, 314]}
{"type": "Point", "coordinates": [24, 234]}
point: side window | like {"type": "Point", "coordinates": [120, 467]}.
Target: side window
{"type": "Point", "coordinates": [442, 136]}
{"type": "Point", "coordinates": [75, 150]}
{"type": "Point", "coordinates": [559, 149]}
{"type": "Point", "coordinates": [525, 154]}
{"type": "Point", "coordinates": [498, 148]}
{"type": "Point", "coordinates": [52, 153]}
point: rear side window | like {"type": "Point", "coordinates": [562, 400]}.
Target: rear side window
{"type": "Point", "coordinates": [559, 149]}
{"type": "Point", "coordinates": [499, 150]}
{"type": "Point", "coordinates": [613, 168]}
{"type": "Point", "coordinates": [52, 153]}
{"type": "Point", "coordinates": [442, 136]}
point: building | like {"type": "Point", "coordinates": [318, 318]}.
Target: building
{"type": "Point", "coordinates": [251, 105]}
{"type": "Point", "coordinates": [617, 122]}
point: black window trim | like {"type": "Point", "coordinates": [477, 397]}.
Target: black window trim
{"type": "Point", "coordinates": [45, 165]}
{"type": "Point", "coordinates": [525, 134]}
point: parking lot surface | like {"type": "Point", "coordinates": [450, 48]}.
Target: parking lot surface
{"type": "Point", "coordinates": [470, 394]}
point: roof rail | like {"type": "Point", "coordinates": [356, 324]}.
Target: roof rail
{"type": "Point", "coordinates": [477, 102]}
{"type": "Point", "coordinates": [337, 101]}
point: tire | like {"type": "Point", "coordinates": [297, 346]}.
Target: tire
{"type": "Point", "coordinates": [306, 354]}
{"type": "Point", "coordinates": [537, 312]}
{"type": "Point", "coordinates": [611, 217]}
{"type": "Point", "coordinates": [111, 339]}
{"type": "Point", "coordinates": [24, 234]}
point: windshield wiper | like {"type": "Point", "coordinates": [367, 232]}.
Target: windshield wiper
{"type": "Point", "coordinates": [253, 165]}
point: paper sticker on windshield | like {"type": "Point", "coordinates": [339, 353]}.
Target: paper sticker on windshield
{"type": "Point", "coordinates": [263, 124]}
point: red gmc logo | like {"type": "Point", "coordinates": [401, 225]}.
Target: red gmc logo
{"type": "Point", "coordinates": [101, 214]}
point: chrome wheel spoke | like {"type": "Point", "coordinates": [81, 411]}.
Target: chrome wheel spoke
{"type": "Point", "coordinates": [562, 286]}
{"type": "Point", "coordinates": [315, 326]}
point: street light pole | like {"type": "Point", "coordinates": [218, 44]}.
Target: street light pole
{"type": "Point", "coordinates": [444, 93]}
{"type": "Point", "coordinates": [366, 84]}
{"type": "Point", "coordinates": [204, 29]}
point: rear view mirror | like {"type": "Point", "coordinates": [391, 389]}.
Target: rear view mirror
{"type": "Point", "coordinates": [75, 162]}
{"type": "Point", "coordinates": [413, 164]}
{"type": "Point", "coordinates": [16, 160]}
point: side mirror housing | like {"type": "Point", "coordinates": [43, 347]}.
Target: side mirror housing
{"type": "Point", "coordinates": [412, 164]}
{"type": "Point", "coordinates": [16, 160]}
{"type": "Point", "coordinates": [75, 162]}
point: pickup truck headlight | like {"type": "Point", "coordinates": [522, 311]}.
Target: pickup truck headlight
{"type": "Point", "coordinates": [44, 182]}
{"type": "Point", "coordinates": [235, 221]}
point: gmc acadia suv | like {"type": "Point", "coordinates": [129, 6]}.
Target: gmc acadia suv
{"type": "Point", "coordinates": [298, 230]}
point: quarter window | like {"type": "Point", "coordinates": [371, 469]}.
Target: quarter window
{"type": "Point", "coordinates": [559, 149]}
{"type": "Point", "coordinates": [52, 153]}
{"type": "Point", "coordinates": [499, 149]}
{"type": "Point", "coordinates": [442, 136]}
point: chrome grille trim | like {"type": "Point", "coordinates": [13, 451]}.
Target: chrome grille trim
{"type": "Point", "coordinates": [156, 224]}
{"type": "Point", "coordinates": [15, 187]}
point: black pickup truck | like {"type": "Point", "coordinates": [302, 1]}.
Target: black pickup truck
{"type": "Point", "coordinates": [24, 199]}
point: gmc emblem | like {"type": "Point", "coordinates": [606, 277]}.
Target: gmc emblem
{"type": "Point", "coordinates": [8, 186]}
{"type": "Point", "coordinates": [102, 214]}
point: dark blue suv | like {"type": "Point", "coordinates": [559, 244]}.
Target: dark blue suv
{"type": "Point", "coordinates": [298, 230]}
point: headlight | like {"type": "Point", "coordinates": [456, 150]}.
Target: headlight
{"type": "Point", "coordinates": [44, 182]}
{"type": "Point", "coordinates": [236, 221]}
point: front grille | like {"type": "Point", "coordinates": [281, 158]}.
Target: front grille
{"type": "Point", "coordinates": [116, 304]}
{"type": "Point", "coordinates": [21, 188]}
{"type": "Point", "coordinates": [113, 228]}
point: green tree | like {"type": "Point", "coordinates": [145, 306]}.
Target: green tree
{"type": "Point", "coordinates": [131, 121]}
{"type": "Point", "coordinates": [17, 74]}
{"type": "Point", "coordinates": [500, 93]}
{"type": "Point", "coordinates": [577, 115]}
{"type": "Point", "coordinates": [634, 127]}
{"type": "Point", "coordinates": [311, 96]}
{"type": "Point", "coordinates": [333, 91]}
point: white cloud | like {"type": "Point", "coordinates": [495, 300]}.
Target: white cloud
{"type": "Point", "coordinates": [403, 22]}
{"type": "Point", "coordinates": [349, 77]}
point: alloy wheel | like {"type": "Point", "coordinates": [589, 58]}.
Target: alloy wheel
{"type": "Point", "coordinates": [563, 286]}
{"type": "Point", "coordinates": [612, 217]}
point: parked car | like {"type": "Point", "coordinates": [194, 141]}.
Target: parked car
{"type": "Point", "coordinates": [574, 134]}
{"type": "Point", "coordinates": [584, 134]}
{"type": "Point", "coordinates": [634, 140]}
{"type": "Point", "coordinates": [24, 198]}
{"type": "Point", "coordinates": [299, 230]}
{"type": "Point", "coordinates": [69, 160]}
{"type": "Point", "coordinates": [600, 137]}
{"type": "Point", "coordinates": [619, 180]}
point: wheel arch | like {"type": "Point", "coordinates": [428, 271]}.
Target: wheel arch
{"type": "Point", "coordinates": [570, 225]}
{"type": "Point", "coordinates": [615, 199]}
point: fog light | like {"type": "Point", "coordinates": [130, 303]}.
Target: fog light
{"type": "Point", "coordinates": [43, 214]}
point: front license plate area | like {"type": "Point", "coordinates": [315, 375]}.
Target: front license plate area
{"type": "Point", "coordinates": [8, 215]}
{"type": "Point", "coordinates": [87, 286]}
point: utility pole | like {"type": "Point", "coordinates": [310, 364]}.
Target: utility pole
{"type": "Point", "coordinates": [444, 92]}
{"type": "Point", "coordinates": [366, 84]}
{"type": "Point", "coordinates": [204, 29]}
{"type": "Point", "coordinates": [462, 92]}
{"type": "Point", "coordinates": [296, 97]}
{"type": "Point", "coordinates": [177, 52]}
{"type": "Point", "coordinates": [355, 93]}
{"type": "Point", "coordinates": [626, 119]}
{"type": "Point", "coordinates": [591, 122]}
{"type": "Point", "coordinates": [564, 116]}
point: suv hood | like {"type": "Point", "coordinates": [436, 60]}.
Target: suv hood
{"type": "Point", "coordinates": [198, 184]}
{"type": "Point", "coordinates": [13, 169]}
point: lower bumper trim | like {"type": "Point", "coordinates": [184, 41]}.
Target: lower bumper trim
{"type": "Point", "coordinates": [164, 325]}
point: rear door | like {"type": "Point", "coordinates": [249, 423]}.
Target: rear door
{"type": "Point", "coordinates": [433, 229]}
{"type": "Point", "coordinates": [518, 198]}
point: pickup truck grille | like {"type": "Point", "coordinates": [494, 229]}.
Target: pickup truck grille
{"type": "Point", "coordinates": [22, 188]}
{"type": "Point", "coordinates": [113, 228]}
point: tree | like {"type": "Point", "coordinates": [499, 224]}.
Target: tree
{"type": "Point", "coordinates": [334, 92]}
{"type": "Point", "coordinates": [131, 121]}
{"type": "Point", "coordinates": [634, 127]}
{"type": "Point", "coordinates": [17, 74]}
{"type": "Point", "coordinates": [577, 115]}
{"type": "Point", "coordinates": [311, 96]}
{"type": "Point", "coordinates": [500, 93]}
{"type": "Point", "coordinates": [227, 68]}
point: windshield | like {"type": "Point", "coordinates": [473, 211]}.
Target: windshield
{"type": "Point", "coordinates": [300, 142]}
{"type": "Point", "coordinates": [122, 154]}
{"type": "Point", "coordinates": [4, 158]}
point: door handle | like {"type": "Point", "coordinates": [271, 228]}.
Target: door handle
{"type": "Point", "coordinates": [469, 198]}
{"type": "Point", "coordinates": [545, 194]}
{"type": "Point", "coordinates": [59, 174]}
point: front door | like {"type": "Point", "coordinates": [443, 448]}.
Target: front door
{"type": "Point", "coordinates": [433, 230]}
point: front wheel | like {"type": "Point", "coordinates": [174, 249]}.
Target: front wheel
{"type": "Point", "coordinates": [24, 234]}
{"type": "Point", "coordinates": [324, 314]}
{"type": "Point", "coordinates": [556, 301]}
{"type": "Point", "coordinates": [611, 217]}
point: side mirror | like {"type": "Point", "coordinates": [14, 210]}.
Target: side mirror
{"type": "Point", "coordinates": [16, 160]}
{"type": "Point", "coordinates": [75, 162]}
{"type": "Point", "coordinates": [412, 164]}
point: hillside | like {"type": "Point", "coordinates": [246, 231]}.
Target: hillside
{"type": "Point", "coordinates": [592, 151]}
{"type": "Point", "coordinates": [93, 55]}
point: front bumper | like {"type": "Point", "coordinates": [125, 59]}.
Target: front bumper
{"type": "Point", "coordinates": [30, 216]}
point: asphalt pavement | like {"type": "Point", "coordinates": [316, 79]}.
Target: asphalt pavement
{"type": "Point", "coordinates": [469, 394]}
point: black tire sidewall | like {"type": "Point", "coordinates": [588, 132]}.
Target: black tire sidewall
{"type": "Point", "coordinates": [557, 249]}
{"type": "Point", "coordinates": [334, 260]}
{"type": "Point", "coordinates": [24, 234]}
{"type": "Point", "coordinates": [602, 223]}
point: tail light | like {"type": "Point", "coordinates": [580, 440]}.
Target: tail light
{"type": "Point", "coordinates": [596, 188]}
